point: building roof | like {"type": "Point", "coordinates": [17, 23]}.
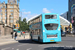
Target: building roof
{"type": "Point", "coordinates": [64, 15]}
{"type": "Point", "coordinates": [33, 17]}
{"type": "Point", "coordinates": [63, 21]}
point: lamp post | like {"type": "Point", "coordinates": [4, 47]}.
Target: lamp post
{"type": "Point", "coordinates": [0, 20]}
{"type": "Point", "coordinates": [0, 14]}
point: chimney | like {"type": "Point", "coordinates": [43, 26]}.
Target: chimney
{"type": "Point", "coordinates": [4, 2]}
{"type": "Point", "coordinates": [16, 1]}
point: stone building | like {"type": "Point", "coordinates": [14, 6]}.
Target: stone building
{"type": "Point", "coordinates": [5, 30]}
{"type": "Point", "coordinates": [9, 12]}
{"type": "Point", "coordinates": [9, 16]}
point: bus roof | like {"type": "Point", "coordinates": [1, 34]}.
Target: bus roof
{"type": "Point", "coordinates": [38, 16]}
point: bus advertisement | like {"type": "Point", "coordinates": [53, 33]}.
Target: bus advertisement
{"type": "Point", "coordinates": [45, 28]}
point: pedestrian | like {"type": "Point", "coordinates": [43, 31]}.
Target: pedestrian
{"type": "Point", "coordinates": [66, 30]}
{"type": "Point", "coordinates": [30, 33]}
{"type": "Point", "coordinates": [21, 32]}
{"type": "Point", "coordinates": [0, 32]}
{"type": "Point", "coordinates": [12, 34]}
{"type": "Point", "coordinates": [61, 31]}
{"type": "Point", "coordinates": [24, 35]}
{"type": "Point", "coordinates": [15, 35]}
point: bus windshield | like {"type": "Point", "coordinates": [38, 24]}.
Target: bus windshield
{"type": "Point", "coordinates": [51, 26]}
{"type": "Point", "coordinates": [50, 16]}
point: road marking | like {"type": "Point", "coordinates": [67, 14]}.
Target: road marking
{"type": "Point", "coordinates": [22, 45]}
{"type": "Point", "coordinates": [28, 48]}
{"type": "Point", "coordinates": [50, 45]}
{"type": "Point", "coordinates": [17, 49]}
{"type": "Point", "coordinates": [5, 48]}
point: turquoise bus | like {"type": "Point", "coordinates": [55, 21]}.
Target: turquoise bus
{"type": "Point", "coordinates": [45, 28]}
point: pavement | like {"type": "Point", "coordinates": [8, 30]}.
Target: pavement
{"type": "Point", "coordinates": [68, 43]}
{"type": "Point", "coordinates": [8, 39]}
{"type": "Point", "coordinates": [70, 35]}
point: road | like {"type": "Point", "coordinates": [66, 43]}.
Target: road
{"type": "Point", "coordinates": [67, 43]}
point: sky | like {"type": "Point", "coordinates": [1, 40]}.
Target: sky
{"type": "Point", "coordinates": [31, 8]}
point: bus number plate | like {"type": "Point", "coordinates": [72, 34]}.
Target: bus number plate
{"type": "Point", "coordinates": [51, 40]}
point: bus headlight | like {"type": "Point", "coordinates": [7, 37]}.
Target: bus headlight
{"type": "Point", "coordinates": [43, 30]}
{"type": "Point", "coordinates": [59, 29]}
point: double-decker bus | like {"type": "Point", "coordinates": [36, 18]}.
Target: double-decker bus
{"type": "Point", "coordinates": [45, 28]}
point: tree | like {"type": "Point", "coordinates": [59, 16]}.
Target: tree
{"type": "Point", "coordinates": [24, 20]}
{"type": "Point", "coordinates": [23, 25]}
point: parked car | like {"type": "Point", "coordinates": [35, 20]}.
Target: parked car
{"type": "Point", "coordinates": [63, 34]}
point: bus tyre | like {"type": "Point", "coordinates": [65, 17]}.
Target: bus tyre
{"type": "Point", "coordinates": [38, 39]}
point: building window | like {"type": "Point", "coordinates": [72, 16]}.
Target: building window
{"type": "Point", "coordinates": [5, 21]}
{"type": "Point", "coordinates": [1, 17]}
{"type": "Point", "coordinates": [1, 7]}
{"type": "Point", "coordinates": [5, 6]}
{"type": "Point", "coordinates": [1, 10]}
{"type": "Point", "coordinates": [5, 10]}
{"type": "Point", "coordinates": [5, 17]}
{"type": "Point", "coordinates": [11, 17]}
{"type": "Point", "coordinates": [11, 10]}
{"type": "Point", "coordinates": [11, 3]}
{"type": "Point", "coordinates": [70, 0]}
{"type": "Point", "coordinates": [11, 21]}
{"type": "Point", "coordinates": [11, 13]}
{"type": "Point", "coordinates": [11, 7]}
{"type": "Point", "coordinates": [5, 14]}
{"type": "Point", "coordinates": [1, 14]}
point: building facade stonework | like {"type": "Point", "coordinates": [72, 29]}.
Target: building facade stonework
{"type": "Point", "coordinates": [9, 16]}
{"type": "Point", "coordinates": [9, 12]}
{"type": "Point", "coordinates": [5, 30]}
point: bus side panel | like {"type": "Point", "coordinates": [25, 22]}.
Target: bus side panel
{"type": "Point", "coordinates": [35, 37]}
{"type": "Point", "coordinates": [41, 35]}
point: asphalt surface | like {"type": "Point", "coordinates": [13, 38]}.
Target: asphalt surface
{"type": "Point", "coordinates": [68, 43]}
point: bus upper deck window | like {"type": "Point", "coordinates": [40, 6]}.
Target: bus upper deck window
{"type": "Point", "coordinates": [50, 16]}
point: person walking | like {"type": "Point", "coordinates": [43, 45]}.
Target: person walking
{"type": "Point", "coordinates": [21, 32]}
{"type": "Point", "coordinates": [15, 35]}
{"type": "Point", "coordinates": [24, 35]}
{"type": "Point", "coordinates": [12, 34]}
